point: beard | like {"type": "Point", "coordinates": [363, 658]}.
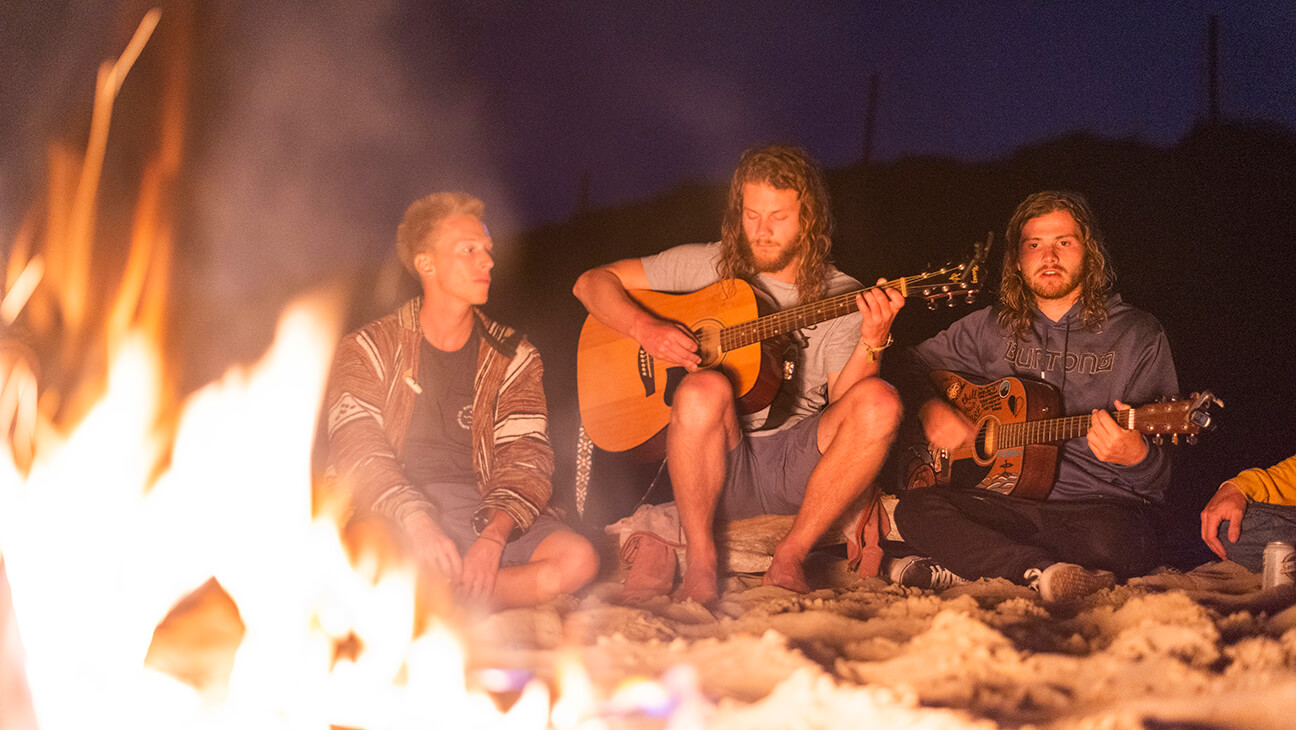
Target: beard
{"type": "Point", "coordinates": [1054, 288]}
{"type": "Point", "coordinates": [768, 265]}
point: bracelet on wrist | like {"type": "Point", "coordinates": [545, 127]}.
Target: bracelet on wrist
{"type": "Point", "coordinates": [873, 354]}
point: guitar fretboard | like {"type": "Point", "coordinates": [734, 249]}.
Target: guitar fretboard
{"type": "Point", "coordinates": [804, 315]}
{"type": "Point", "coordinates": [1016, 435]}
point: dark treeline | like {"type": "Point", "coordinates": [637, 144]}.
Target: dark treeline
{"type": "Point", "coordinates": [1201, 235]}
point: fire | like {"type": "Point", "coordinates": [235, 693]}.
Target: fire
{"type": "Point", "coordinates": [169, 570]}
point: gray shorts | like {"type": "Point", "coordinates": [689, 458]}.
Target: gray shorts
{"type": "Point", "coordinates": [459, 502]}
{"type": "Point", "coordinates": [767, 475]}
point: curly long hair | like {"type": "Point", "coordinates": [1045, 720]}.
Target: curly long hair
{"type": "Point", "coordinates": [1017, 301]}
{"type": "Point", "coordinates": [783, 167]}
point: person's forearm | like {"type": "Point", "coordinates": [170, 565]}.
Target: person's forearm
{"type": "Point", "coordinates": [858, 367]}
{"type": "Point", "coordinates": [498, 527]}
{"type": "Point", "coordinates": [607, 301]}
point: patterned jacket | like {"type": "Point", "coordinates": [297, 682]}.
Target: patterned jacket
{"type": "Point", "coordinates": [370, 400]}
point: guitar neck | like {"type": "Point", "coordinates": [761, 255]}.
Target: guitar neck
{"type": "Point", "coordinates": [804, 315]}
{"type": "Point", "coordinates": [1053, 430]}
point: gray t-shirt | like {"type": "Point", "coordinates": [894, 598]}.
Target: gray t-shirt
{"type": "Point", "coordinates": [816, 351]}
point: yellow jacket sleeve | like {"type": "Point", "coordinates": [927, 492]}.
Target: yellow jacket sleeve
{"type": "Point", "coordinates": [1275, 485]}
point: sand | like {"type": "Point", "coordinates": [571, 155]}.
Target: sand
{"type": "Point", "coordinates": [1206, 648]}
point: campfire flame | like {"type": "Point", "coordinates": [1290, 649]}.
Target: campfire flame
{"type": "Point", "coordinates": [169, 570]}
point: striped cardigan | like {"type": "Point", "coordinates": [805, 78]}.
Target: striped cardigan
{"type": "Point", "coordinates": [370, 400]}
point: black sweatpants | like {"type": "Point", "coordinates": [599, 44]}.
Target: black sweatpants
{"type": "Point", "coordinates": [982, 534]}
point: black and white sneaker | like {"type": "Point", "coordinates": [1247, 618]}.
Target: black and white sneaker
{"type": "Point", "coordinates": [919, 572]}
{"type": "Point", "coordinates": [1063, 582]}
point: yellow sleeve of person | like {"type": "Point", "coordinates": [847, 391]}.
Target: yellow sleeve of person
{"type": "Point", "coordinates": [1275, 485]}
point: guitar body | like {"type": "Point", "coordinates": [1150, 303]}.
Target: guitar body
{"type": "Point", "coordinates": [1023, 471]}
{"type": "Point", "coordinates": [626, 394]}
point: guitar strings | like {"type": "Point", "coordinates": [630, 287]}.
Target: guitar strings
{"type": "Point", "coordinates": [762, 328]}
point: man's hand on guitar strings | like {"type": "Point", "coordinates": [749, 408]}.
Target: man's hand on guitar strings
{"type": "Point", "coordinates": [669, 341]}
{"type": "Point", "coordinates": [944, 426]}
{"type": "Point", "coordinates": [1113, 444]}
{"type": "Point", "coordinates": [878, 308]}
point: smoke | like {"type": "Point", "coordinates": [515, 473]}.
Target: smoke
{"type": "Point", "coordinates": [49, 51]}
{"type": "Point", "coordinates": [314, 139]}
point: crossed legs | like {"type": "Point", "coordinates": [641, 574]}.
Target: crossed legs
{"type": "Point", "coordinates": [562, 563]}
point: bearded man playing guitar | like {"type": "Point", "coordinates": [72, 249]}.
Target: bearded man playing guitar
{"type": "Point", "coordinates": [1057, 322]}
{"type": "Point", "coordinates": [818, 446]}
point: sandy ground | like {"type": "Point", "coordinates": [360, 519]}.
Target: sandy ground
{"type": "Point", "coordinates": [1204, 649]}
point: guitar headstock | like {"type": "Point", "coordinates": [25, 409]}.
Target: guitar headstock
{"type": "Point", "coordinates": [1176, 418]}
{"type": "Point", "coordinates": [952, 284]}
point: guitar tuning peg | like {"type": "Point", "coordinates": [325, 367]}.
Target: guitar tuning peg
{"type": "Point", "coordinates": [970, 298]}
{"type": "Point", "coordinates": [1174, 439]}
{"type": "Point", "coordinates": [1191, 439]}
{"type": "Point", "coordinates": [949, 302]}
{"type": "Point", "coordinates": [931, 304]}
{"type": "Point", "coordinates": [1158, 440]}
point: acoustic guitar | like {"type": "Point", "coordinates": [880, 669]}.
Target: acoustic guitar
{"type": "Point", "coordinates": [626, 394]}
{"type": "Point", "coordinates": [1015, 447]}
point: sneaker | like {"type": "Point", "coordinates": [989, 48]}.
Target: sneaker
{"type": "Point", "coordinates": [1063, 582]}
{"type": "Point", "coordinates": [920, 572]}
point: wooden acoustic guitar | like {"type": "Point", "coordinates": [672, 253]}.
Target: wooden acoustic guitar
{"type": "Point", "coordinates": [1018, 429]}
{"type": "Point", "coordinates": [626, 394]}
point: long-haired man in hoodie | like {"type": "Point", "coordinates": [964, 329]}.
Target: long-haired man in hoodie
{"type": "Point", "coordinates": [1057, 321]}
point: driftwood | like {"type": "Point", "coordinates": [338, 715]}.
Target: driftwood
{"type": "Point", "coordinates": [742, 546]}
{"type": "Point", "coordinates": [747, 546]}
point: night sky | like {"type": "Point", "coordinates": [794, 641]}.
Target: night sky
{"type": "Point", "coordinates": [343, 112]}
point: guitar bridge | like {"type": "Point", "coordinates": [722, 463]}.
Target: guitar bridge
{"type": "Point", "coordinates": [646, 373]}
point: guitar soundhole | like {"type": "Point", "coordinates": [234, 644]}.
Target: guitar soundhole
{"type": "Point", "coordinates": [985, 443]}
{"type": "Point", "coordinates": [707, 334]}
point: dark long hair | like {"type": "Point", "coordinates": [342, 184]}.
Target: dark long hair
{"type": "Point", "coordinates": [1017, 301]}
{"type": "Point", "coordinates": [783, 167]}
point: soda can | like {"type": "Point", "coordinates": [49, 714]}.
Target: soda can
{"type": "Point", "coordinates": [1279, 564]}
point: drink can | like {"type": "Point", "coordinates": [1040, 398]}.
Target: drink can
{"type": "Point", "coordinates": [1279, 564]}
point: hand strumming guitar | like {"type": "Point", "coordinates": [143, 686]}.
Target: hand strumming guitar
{"type": "Point", "coordinates": [669, 341]}
{"type": "Point", "coordinates": [944, 426]}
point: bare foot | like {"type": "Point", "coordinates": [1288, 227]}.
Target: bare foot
{"type": "Point", "coordinates": [787, 573]}
{"type": "Point", "coordinates": [699, 584]}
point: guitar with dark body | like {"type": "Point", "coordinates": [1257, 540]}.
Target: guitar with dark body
{"type": "Point", "coordinates": [1019, 426]}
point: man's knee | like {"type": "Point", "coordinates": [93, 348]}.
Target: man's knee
{"type": "Point", "coordinates": [872, 407]}
{"type": "Point", "coordinates": [568, 562]}
{"type": "Point", "coordinates": [580, 562]}
{"type": "Point", "coordinates": [701, 400]}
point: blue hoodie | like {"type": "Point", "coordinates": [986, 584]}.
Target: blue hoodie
{"type": "Point", "coordinates": [1127, 359]}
